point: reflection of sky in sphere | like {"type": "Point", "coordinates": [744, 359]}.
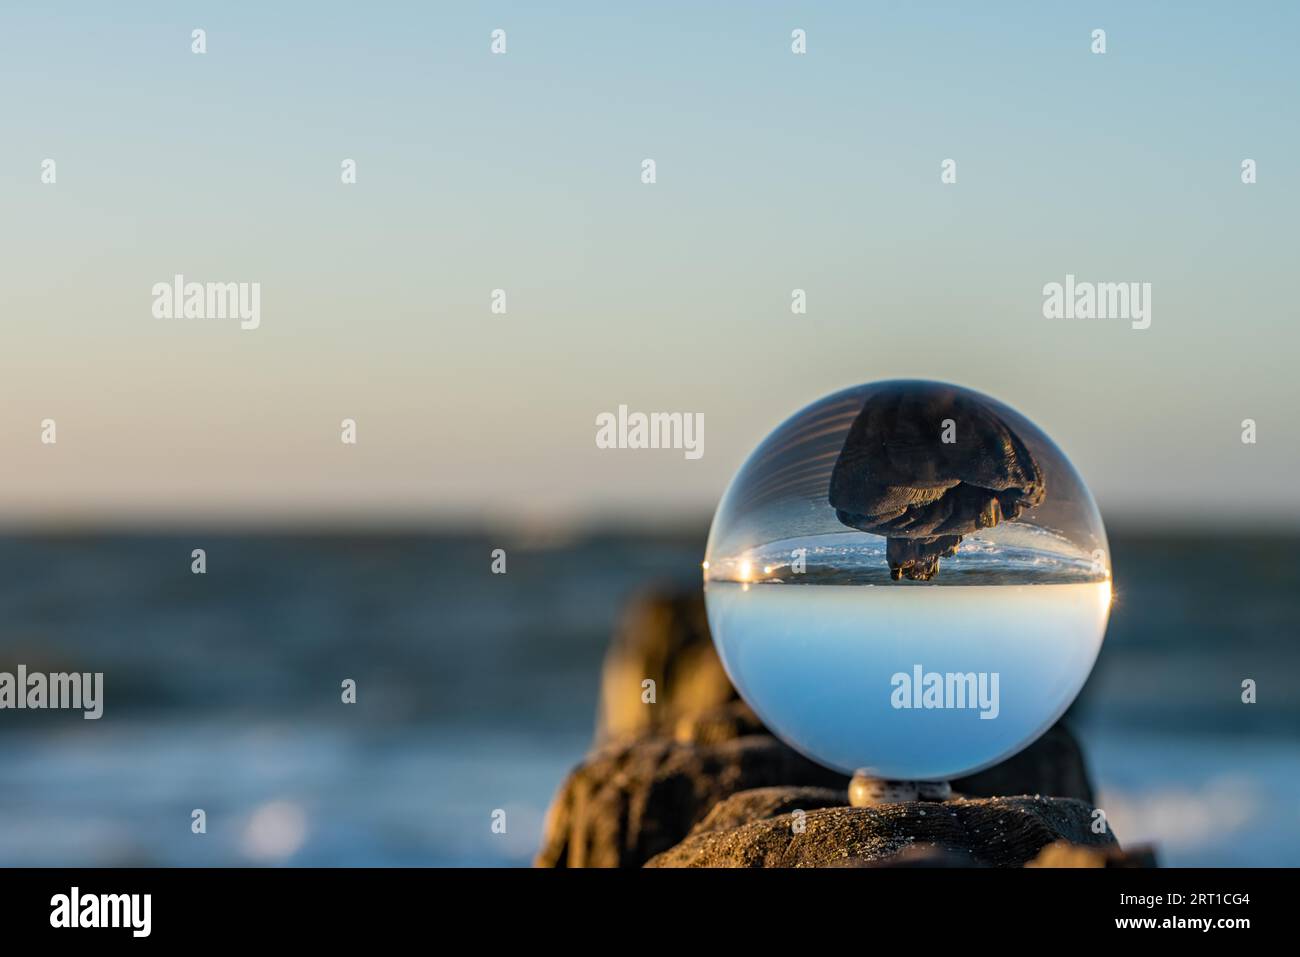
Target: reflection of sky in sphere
{"type": "Point", "coordinates": [817, 664]}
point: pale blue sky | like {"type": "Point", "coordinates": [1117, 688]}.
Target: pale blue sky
{"type": "Point", "coordinates": [522, 172]}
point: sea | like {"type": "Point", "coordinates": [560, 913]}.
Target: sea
{"type": "Point", "coordinates": [226, 740]}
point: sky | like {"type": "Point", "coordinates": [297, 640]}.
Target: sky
{"type": "Point", "coordinates": [522, 172]}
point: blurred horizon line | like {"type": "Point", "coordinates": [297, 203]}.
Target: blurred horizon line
{"type": "Point", "coordinates": [540, 528]}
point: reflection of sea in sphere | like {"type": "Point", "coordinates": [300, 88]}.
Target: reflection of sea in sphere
{"type": "Point", "coordinates": [908, 578]}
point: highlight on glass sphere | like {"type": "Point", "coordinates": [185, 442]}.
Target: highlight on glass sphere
{"type": "Point", "coordinates": [908, 579]}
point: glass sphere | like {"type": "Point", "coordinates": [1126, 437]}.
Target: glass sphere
{"type": "Point", "coordinates": [908, 578]}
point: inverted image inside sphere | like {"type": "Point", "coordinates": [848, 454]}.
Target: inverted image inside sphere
{"type": "Point", "coordinates": [899, 476]}
{"type": "Point", "coordinates": [908, 577]}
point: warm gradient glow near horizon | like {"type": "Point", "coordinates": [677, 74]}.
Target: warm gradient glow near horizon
{"type": "Point", "coordinates": [522, 172]}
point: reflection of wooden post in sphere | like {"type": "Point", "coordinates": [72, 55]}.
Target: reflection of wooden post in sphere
{"type": "Point", "coordinates": [865, 790]}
